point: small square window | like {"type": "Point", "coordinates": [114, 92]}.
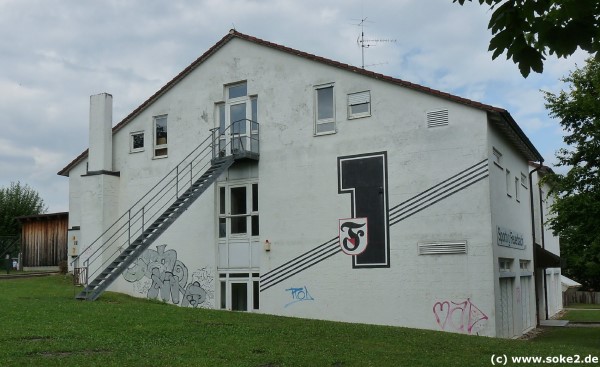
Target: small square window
{"type": "Point", "coordinates": [359, 105]}
{"type": "Point", "coordinates": [136, 142]}
{"type": "Point", "coordinates": [505, 265]}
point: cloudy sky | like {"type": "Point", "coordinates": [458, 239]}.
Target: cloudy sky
{"type": "Point", "coordinates": [56, 53]}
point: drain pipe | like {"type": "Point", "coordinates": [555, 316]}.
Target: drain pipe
{"type": "Point", "coordinates": [535, 272]}
{"type": "Point", "coordinates": [542, 243]}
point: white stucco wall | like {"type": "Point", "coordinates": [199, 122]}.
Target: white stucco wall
{"type": "Point", "coordinates": [509, 190]}
{"type": "Point", "coordinates": [300, 206]}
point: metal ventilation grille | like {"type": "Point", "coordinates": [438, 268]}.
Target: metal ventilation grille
{"type": "Point", "coordinates": [443, 248]}
{"type": "Point", "coordinates": [437, 118]}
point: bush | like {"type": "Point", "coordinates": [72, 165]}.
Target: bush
{"type": "Point", "coordinates": [63, 267]}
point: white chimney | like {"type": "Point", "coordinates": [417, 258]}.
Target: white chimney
{"type": "Point", "coordinates": [100, 153]}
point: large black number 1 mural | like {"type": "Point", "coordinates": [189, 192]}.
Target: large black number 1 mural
{"type": "Point", "coordinates": [364, 177]}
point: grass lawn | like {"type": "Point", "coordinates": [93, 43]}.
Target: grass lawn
{"type": "Point", "coordinates": [584, 305]}
{"type": "Point", "coordinates": [582, 315]}
{"type": "Point", "coordinates": [44, 326]}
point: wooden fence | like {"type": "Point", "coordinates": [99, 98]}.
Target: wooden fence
{"type": "Point", "coordinates": [581, 297]}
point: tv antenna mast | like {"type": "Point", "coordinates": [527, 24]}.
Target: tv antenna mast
{"type": "Point", "coordinates": [366, 43]}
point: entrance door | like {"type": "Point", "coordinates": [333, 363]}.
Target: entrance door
{"type": "Point", "coordinates": [506, 307]}
{"type": "Point", "coordinates": [239, 132]}
{"type": "Point", "coordinates": [239, 291]}
{"type": "Point", "coordinates": [237, 121]}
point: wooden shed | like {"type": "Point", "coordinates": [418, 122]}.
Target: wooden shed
{"type": "Point", "coordinates": [44, 240]}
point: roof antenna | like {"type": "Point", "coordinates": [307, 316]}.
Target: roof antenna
{"type": "Point", "coordinates": [233, 25]}
{"type": "Point", "coordinates": [366, 43]}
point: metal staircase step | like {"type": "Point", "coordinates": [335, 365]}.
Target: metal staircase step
{"type": "Point", "coordinates": [154, 230]}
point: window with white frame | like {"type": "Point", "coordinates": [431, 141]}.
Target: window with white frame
{"type": "Point", "coordinates": [524, 265]}
{"type": "Point", "coordinates": [324, 109]}
{"type": "Point", "coordinates": [517, 190]}
{"type": "Point", "coordinates": [524, 180]}
{"type": "Point", "coordinates": [359, 105]}
{"type": "Point", "coordinates": [239, 291]}
{"type": "Point", "coordinates": [136, 142]}
{"type": "Point", "coordinates": [160, 136]}
{"type": "Point", "coordinates": [505, 265]}
{"type": "Point", "coordinates": [237, 119]}
{"type": "Point", "coordinates": [238, 210]}
{"type": "Point", "coordinates": [497, 156]}
{"type": "Point", "coordinates": [508, 183]}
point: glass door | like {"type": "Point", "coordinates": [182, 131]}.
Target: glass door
{"type": "Point", "coordinates": [239, 130]}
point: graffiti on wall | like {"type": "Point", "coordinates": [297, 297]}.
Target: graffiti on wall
{"type": "Point", "coordinates": [462, 316]}
{"type": "Point", "coordinates": [160, 275]}
{"type": "Point", "coordinates": [299, 295]}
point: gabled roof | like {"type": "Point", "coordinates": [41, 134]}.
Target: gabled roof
{"type": "Point", "coordinates": [501, 116]}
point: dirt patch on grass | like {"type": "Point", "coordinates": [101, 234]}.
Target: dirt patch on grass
{"type": "Point", "coordinates": [66, 353]}
{"type": "Point", "coordinates": [35, 338]}
{"type": "Point", "coordinates": [532, 334]}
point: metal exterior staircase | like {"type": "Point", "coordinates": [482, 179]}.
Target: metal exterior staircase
{"type": "Point", "coordinates": [105, 259]}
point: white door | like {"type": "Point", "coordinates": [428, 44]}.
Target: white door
{"type": "Point", "coordinates": [526, 302]}
{"type": "Point", "coordinates": [506, 307]}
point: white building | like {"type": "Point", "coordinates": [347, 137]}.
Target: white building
{"type": "Point", "coordinates": [320, 190]}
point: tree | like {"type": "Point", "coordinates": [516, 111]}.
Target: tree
{"type": "Point", "coordinates": [577, 206]}
{"type": "Point", "coordinates": [528, 30]}
{"type": "Point", "coordinates": [18, 200]}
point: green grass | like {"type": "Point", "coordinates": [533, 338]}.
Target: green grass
{"type": "Point", "coordinates": [584, 306]}
{"type": "Point", "coordinates": [582, 316]}
{"type": "Point", "coordinates": [42, 325]}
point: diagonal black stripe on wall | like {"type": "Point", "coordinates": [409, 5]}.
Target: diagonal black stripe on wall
{"type": "Point", "coordinates": [398, 213]}
{"type": "Point", "coordinates": [423, 200]}
{"type": "Point", "coordinates": [300, 260]}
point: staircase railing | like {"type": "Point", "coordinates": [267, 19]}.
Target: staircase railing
{"type": "Point", "coordinates": [221, 143]}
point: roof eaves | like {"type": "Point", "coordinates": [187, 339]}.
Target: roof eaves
{"type": "Point", "coordinates": [233, 33]}
{"type": "Point", "coordinates": [155, 96]}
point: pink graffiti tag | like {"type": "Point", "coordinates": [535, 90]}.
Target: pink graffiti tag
{"type": "Point", "coordinates": [456, 316]}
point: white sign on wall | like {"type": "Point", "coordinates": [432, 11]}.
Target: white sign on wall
{"type": "Point", "coordinates": [509, 238]}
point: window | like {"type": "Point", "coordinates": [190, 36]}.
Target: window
{"type": "Point", "coordinates": [508, 183]}
{"type": "Point", "coordinates": [497, 156]}
{"type": "Point", "coordinates": [136, 142]}
{"type": "Point", "coordinates": [524, 265]}
{"type": "Point", "coordinates": [517, 189]}
{"type": "Point", "coordinates": [359, 105]}
{"type": "Point", "coordinates": [236, 119]}
{"type": "Point", "coordinates": [239, 291]}
{"type": "Point", "coordinates": [505, 265]}
{"type": "Point", "coordinates": [237, 90]}
{"type": "Point", "coordinates": [160, 133]}
{"type": "Point", "coordinates": [238, 210]}
{"type": "Point", "coordinates": [325, 110]}
{"type": "Point", "coordinates": [524, 180]}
